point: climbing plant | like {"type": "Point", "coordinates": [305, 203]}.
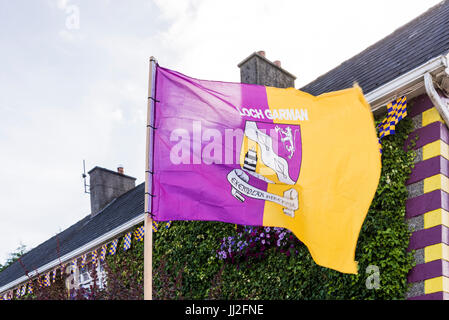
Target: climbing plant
{"type": "Point", "coordinates": [214, 260]}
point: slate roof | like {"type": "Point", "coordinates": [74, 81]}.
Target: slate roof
{"type": "Point", "coordinates": [124, 208]}
{"type": "Point", "coordinates": [408, 47]}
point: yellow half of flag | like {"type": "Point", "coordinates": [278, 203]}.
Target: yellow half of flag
{"type": "Point", "coordinates": [340, 170]}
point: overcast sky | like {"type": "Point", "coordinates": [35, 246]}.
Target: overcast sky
{"type": "Point", "coordinates": [74, 77]}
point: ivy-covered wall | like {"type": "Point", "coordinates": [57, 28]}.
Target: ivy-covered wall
{"type": "Point", "coordinates": [188, 257]}
{"type": "Point", "coordinates": [214, 260]}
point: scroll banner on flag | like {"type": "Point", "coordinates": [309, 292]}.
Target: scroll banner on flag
{"type": "Point", "coordinates": [255, 155]}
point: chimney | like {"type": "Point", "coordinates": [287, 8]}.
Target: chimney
{"type": "Point", "coordinates": [106, 185]}
{"type": "Point", "coordinates": [257, 69]}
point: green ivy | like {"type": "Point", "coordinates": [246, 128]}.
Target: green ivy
{"type": "Point", "coordinates": [184, 256]}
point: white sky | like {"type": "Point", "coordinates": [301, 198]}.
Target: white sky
{"type": "Point", "coordinates": [71, 91]}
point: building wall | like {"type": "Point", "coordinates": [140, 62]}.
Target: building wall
{"type": "Point", "coordinates": [428, 203]}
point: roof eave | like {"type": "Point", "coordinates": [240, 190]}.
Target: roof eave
{"type": "Point", "coordinates": [75, 253]}
{"type": "Point", "coordinates": [410, 84]}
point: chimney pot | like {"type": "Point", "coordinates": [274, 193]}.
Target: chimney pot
{"type": "Point", "coordinates": [278, 63]}
{"type": "Point", "coordinates": [120, 170]}
{"type": "Point", "coordinates": [261, 53]}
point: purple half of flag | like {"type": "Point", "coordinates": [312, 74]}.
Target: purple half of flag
{"type": "Point", "coordinates": [216, 150]}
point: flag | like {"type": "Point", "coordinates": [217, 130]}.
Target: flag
{"type": "Point", "coordinates": [263, 156]}
{"type": "Point", "coordinates": [127, 241]}
{"type": "Point", "coordinates": [113, 247]}
{"type": "Point", "coordinates": [103, 251]}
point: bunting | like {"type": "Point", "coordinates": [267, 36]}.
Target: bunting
{"type": "Point", "coordinates": [23, 290]}
{"type": "Point", "coordinates": [30, 288]}
{"type": "Point", "coordinates": [155, 226]}
{"type": "Point", "coordinates": [103, 252]}
{"type": "Point", "coordinates": [51, 275]}
{"type": "Point", "coordinates": [127, 241]}
{"type": "Point", "coordinates": [83, 261]}
{"type": "Point", "coordinates": [94, 258]}
{"type": "Point", "coordinates": [53, 278]}
{"type": "Point", "coordinates": [113, 247]}
{"type": "Point", "coordinates": [396, 111]}
{"type": "Point", "coordinates": [46, 280]}
{"type": "Point", "coordinates": [73, 265]}
{"type": "Point", "coordinates": [139, 233]}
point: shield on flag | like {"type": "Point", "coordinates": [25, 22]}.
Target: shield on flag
{"type": "Point", "coordinates": [272, 153]}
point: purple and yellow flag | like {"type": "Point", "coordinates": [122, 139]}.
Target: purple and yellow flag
{"type": "Point", "coordinates": [263, 156]}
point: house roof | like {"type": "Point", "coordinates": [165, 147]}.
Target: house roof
{"type": "Point", "coordinates": [118, 212]}
{"type": "Point", "coordinates": [410, 46]}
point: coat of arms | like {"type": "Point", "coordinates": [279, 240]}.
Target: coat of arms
{"type": "Point", "coordinates": [271, 153]}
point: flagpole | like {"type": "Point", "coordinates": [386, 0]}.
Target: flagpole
{"type": "Point", "coordinates": [148, 235]}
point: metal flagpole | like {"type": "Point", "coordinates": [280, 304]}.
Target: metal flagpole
{"type": "Point", "coordinates": [148, 235]}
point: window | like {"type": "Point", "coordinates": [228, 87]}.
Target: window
{"type": "Point", "coordinates": [85, 278]}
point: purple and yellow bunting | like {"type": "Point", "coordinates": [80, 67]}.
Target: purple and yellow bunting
{"type": "Point", "coordinates": [127, 241]}
{"type": "Point", "coordinates": [155, 226]}
{"type": "Point", "coordinates": [73, 265]}
{"type": "Point", "coordinates": [139, 233]}
{"type": "Point", "coordinates": [53, 278]}
{"type": "Point", "coordinates": [83, 261]}
{"type": "Point", "coordinates": [94, 257]}
{"type": "Point", "coordinates": [23, 290]}
{"type": "Point", "coordinates": [113, 247]}
{"type": "Point", "coordinates": [30, 288]}
{"type": "Point", "coordinates": [46, 280]}
{"type": "Point", "coordinates": [103, 252]}
{"type": "Point", "coordinates": [396, 111]}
